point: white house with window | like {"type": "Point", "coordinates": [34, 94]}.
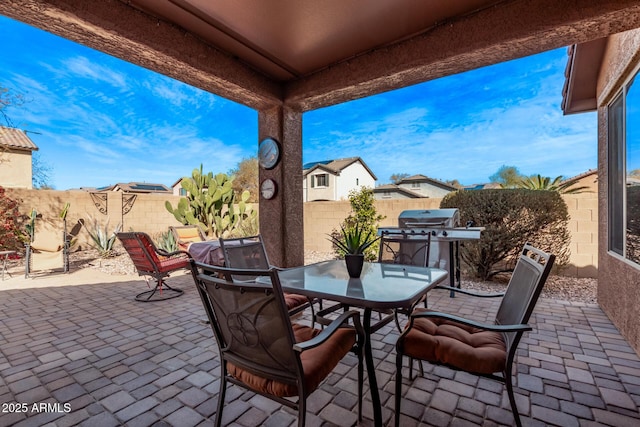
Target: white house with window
{"type": "Point", "coordinates": [334, 179]}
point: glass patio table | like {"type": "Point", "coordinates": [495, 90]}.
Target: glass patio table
{"type": "Point", "coordinates": [380, 287]}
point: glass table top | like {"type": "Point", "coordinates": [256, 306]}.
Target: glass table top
{"type": "Point", "coordinates": [379, 286]}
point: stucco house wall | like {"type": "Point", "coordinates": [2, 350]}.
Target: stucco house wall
{"type": "Point", "coordinates": [425, 189]}
{"type": "Point", "coordinates": [618, 279]}
{"type": "Point", "coordinates": [352, 177]}
{"type": "Point", "coordinates": [15, 168]}
{"type": "Point", "coordinates": [321, 193]}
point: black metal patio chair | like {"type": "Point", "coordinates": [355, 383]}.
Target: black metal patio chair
{"type": "Point", "coordinates": [407, 248]}
{"type": "Point", "coordinates": [461, 344]}
{"type": "Point", "coordinates": [260, 349]}
{"type": "Point", "coordinates": [250, 253]}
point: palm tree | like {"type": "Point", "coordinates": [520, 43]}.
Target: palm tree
{"type": "Point", "coordinates": [538, 182]}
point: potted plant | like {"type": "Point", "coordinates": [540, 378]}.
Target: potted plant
{"type": "Point", "coordinates": [353, 241]}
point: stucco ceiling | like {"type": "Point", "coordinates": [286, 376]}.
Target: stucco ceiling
{"type": "Point", "coordinates": [289, 39]}
{"type": "Point", "coordinates": [309, 54]}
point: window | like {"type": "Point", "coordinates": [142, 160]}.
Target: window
{"type": "Point", "coordinates": [183, 192]}
{"type": "Point", "coordinates": [322, 180]}
{"type": "Point", "coordinates": [624, 172]}
{"type": "Point", "coordinates": [415, 184]}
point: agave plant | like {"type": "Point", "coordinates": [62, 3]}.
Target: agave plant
{"type": "Point", "coordinates": [103, 241]}
{"type": "Point", "coordinates": [167, 242]}
{"type": "Point", "coordinates": [354, 240]}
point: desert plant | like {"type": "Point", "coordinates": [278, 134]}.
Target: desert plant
{"type": "Point", "coordinates": [102, 239]}
{"type": "Point", "coordinates": [538, 182]}
{"type": "Point", "coordinates": [511, 217]}
{"type": "Point", "coordinates": [167, 242]}
{"type": "Point", "coordinates": [354, 240]}
{"type": "Point", "coordinates": [30, 226]}
{"type": "Point", "coordinates": [211, 203]}
{"type": "Point", "coordinates": [246, 227]}
{"type": "Point", "coordinates": [363, 215]}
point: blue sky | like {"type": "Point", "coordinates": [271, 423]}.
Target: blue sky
{"type": "Point", "coordinates": [100, 120]}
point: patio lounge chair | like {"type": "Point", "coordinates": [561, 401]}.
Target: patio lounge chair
{"type": "Point", "coordinates": [154, 262]}
{"type": "Point", "coordinates": [49, 249]}
{"type": "Point", "coordinates": [249, 253]}
{"type": "Point", "coordinates": [486, 350]}
{"type": "Point", "coordinates": [187, 234]}
{"type": "Point", "coordinates": [260, 349]}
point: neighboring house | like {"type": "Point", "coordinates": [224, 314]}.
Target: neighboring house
{"type": "Point", "coordinates": [334, 179]}
{"type": "Point", "coordinates": [603, 75]}
{"type": "Point", "coordinates": [487, 186]}
{"type": "Point", "coordinates": [177, 188]}
{"type": "Point", "coordinates": [392, 191]}
{"type": "Point", "coordinates": [16, 149]}
{"type": "Point", "coordinates": [137, 188]}
{"type": "Point", "coordinates": [425, 186]}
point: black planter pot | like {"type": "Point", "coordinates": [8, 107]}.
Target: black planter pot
{"type": "Point", "coordinates": [354, 264]}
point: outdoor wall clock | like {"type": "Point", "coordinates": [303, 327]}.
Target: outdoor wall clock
{"type": "Point", "coordinates": [268, 153]}
{"type": "Point", "coordinates": [268, 189]}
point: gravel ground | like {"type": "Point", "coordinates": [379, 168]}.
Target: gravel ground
{"type": "Point", "coordinates": [557, 287]}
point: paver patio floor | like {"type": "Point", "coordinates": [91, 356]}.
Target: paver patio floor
{"type": "Point", "coordinates": [115, 361]}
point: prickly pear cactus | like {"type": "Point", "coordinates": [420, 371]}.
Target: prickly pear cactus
{"type": "Point", "coordinates": [211, 204]}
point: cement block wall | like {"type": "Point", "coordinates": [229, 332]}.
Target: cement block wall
{"type": "Point", "coordinates": [149, 214]}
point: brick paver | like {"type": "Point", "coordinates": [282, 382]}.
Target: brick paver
{"type": "Point", "coordinates": [116, 361]}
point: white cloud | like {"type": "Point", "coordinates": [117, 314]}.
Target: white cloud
{"type": "Point", "coordinates": [82, 67]}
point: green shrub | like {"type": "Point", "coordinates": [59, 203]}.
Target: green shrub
{"type": "Point", "coordinates": [364, 217]}
{"type": "Point", "coordinates": [511, 217]}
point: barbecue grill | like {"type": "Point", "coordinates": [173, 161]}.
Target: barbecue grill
{"type": "Point", "coordinates": [446, 234]}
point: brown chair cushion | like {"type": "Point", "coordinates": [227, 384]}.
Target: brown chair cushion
{"type": "Point", "coordinates": [294, 300]}
{"type": "Point", "coordinates": [317, 362]}
{"type": "Point", "coordinates": [461, 346]}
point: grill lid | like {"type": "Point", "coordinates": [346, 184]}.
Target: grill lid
{"type": "Point", "coordinates": [429, 218]}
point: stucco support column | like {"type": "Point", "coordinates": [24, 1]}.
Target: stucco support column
{"type": "Point", "coordinates": [281, 218]}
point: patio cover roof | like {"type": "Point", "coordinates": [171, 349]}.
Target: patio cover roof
{"type": "Point", "coordinates": [308, 54]}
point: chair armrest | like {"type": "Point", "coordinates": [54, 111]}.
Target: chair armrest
{"type": "Point", "coordinates": [473, 294]}
{"type": "Point", "coordinates": [330, 330]}
{"type": "Point", "coordinates": [468, 322]}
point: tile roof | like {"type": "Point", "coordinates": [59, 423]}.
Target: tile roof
{"type": "Point", "coordinates": [16, 139]}
{"type": "Point", "coordinates": [335, 166]}
{"type": "Point", "coordinates": [395, 188]}
{"type": "Point", "coordinates": [432, 181]}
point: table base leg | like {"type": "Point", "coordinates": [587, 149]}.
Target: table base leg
{"type": "Point", "coordinates": [371, 370]}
